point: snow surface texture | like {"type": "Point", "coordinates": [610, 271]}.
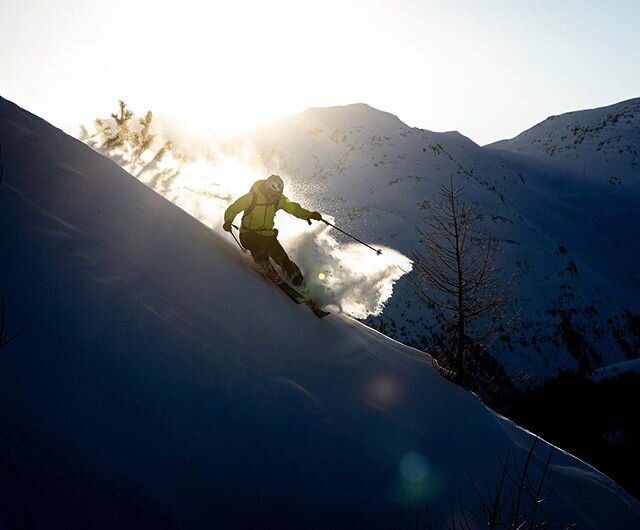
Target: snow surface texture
{"type": "Point", "coordinates": [160, 380]}
{"type": "Point", "coordinates": [562, 199]}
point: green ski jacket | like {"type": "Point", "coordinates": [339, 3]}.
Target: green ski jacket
{"type": "Point", "coordinates": [259, 211]}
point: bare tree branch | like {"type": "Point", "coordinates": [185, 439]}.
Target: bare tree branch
{"type": "Point", "coordinates": [514, 502]}
{"type": "Point", "coordinates": [456, 274]}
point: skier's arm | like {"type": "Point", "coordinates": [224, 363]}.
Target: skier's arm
{"type": "Point", "coordinates": [238, 206]}
{"type": "Point", "coordinates": [294, 208]}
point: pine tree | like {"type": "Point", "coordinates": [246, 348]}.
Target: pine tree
{"type": "Point", "coordinates": [134, 147]}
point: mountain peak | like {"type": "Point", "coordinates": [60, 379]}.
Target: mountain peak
{"type": "Point", "coordinates": [349, 116]}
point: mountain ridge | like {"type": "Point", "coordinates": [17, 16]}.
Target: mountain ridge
{"type": "Point", "coordinates": [569, 114]}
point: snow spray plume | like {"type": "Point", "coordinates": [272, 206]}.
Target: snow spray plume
{"type": "Point", "coordinates": [348, 277]}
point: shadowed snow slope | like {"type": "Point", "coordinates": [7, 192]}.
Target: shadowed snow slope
{"type": "Point", "coordinates": [159, 381]}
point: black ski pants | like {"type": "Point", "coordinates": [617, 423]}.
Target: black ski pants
{"type": "Point", "coordinates": [264, 247]}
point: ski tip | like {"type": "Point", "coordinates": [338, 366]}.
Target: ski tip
{"type": "Point", "coordinates": [320, 313]}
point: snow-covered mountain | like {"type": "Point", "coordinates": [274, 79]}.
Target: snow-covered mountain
{"type": "Point", "coordinates": [571, 241]}
{"type": "Point", "coordinates": [600, 145]}
{"type": "Point", "coordinates": [159, 382]}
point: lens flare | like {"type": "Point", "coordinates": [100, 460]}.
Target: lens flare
{"type": "Point", "coordinates": [414, 467]}
{"type": "Point", "coordinates": [384, 390]}
{"type": "Point", "coordinates": [417, 481]}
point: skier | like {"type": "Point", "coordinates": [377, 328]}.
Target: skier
{"type": "Point", "coordinates": [257, 233]}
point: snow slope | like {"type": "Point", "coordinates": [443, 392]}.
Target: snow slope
{"type": "Point", "coordinates": [571, 242]}
{"type": "Point", "coordinates": [160, 382]}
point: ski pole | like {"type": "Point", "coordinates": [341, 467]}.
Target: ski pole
{"type": "Point", "coordinates": [236, 239]}
{"type": "Point", "coordinates": [377, 251]}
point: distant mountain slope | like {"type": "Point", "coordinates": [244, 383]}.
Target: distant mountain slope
{"type": "Point", "coordinates": [571, 243]}
{"type": "Point", "coordinates": [602, 144]}
{"type": "Point", "coordinates": [155, 358]}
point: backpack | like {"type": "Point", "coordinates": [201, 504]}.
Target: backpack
{"type": "Point", "coordinates": [254, 202]}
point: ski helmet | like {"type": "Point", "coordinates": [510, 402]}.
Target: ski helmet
{"type": "Point", "coordinates": [275, 184]}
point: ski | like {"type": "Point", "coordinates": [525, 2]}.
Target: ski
{"type": "Point", "coordinates": [297, 296]}
{"type": "Point", "coordinates": [311, 304]}
{"type": "Point", "coordinates": [320, 313]}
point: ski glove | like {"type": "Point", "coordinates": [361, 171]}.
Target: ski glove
{"type": "Point", "coordinates": [227, 226]}
{"type": "Point", "coordinates": [315, 216]}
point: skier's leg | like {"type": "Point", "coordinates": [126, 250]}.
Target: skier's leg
{"type": "Point", "coordinates": [259, 248]}
{"type": "Point", "coordinates": [289, 268]}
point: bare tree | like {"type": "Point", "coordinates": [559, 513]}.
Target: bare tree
{"type": "Point", "coordinates": [515, 502]}
{"type": "Point", "coordinates": [458, 278]}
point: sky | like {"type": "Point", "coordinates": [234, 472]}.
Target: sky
{"type": "Point", "coordinates": [489, 69]}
